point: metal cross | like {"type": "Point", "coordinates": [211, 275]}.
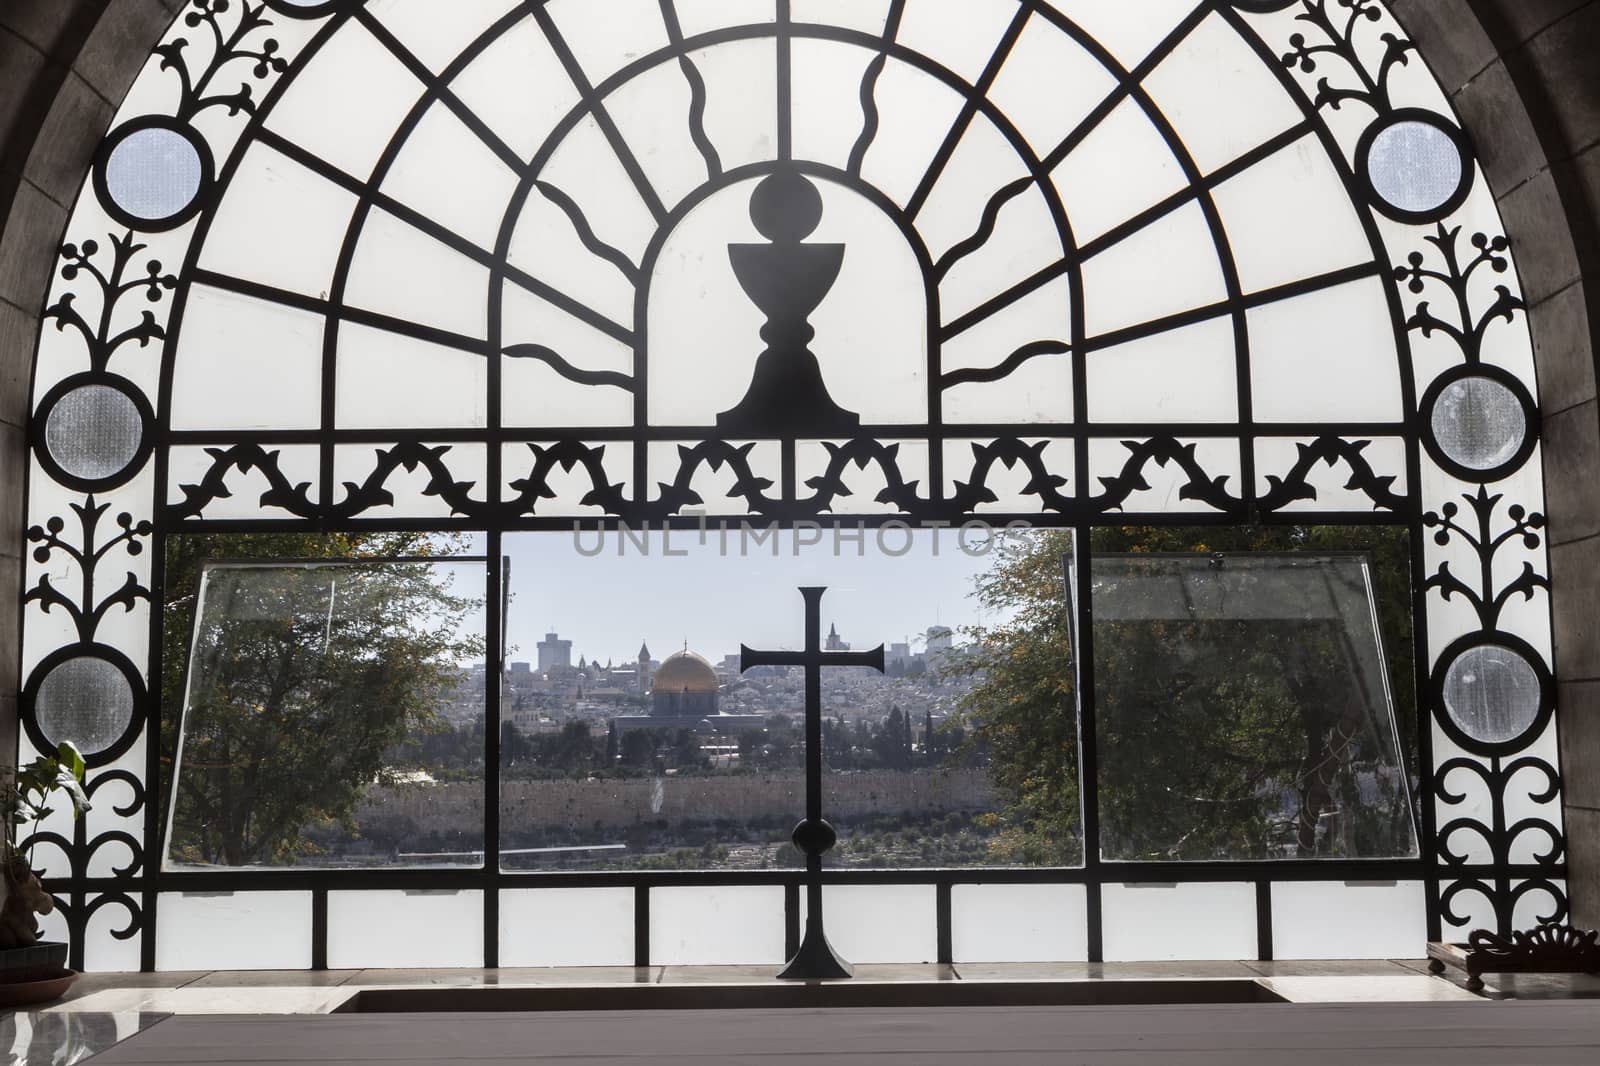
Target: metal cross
{"type": "Point", "coordinates": [816, 958]}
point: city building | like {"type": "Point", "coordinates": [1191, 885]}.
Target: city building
{"type": "Point", "coordinates": [686, 693]}
{"type": "Point", "coordinates": [554, 654]}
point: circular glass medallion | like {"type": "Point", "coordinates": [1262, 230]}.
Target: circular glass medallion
{"type": "Point", "coordinates": [94, 432]}
{"type": "Point", "coordinates": [151, 173]}
{"type": "Point", "coordinates": [1416, 165]}
{"type": "Point", "coordinates": [1493, 694]}
{"type": "Point", "coordinates": [86, 700]}
{"type": "Point", "coordinates": [1479, 423]}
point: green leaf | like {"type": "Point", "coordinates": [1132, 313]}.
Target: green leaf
{"type": "Point", "coordinates": [67, 754]}
{"type": "Point", "coordinates": [69, 783]}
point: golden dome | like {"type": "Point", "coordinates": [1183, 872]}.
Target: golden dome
{"type": "Point", "coordinates": [685, 672]}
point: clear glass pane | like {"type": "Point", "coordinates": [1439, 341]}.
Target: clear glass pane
{"type": "Point", "coordinates": [1245, 706]}
{"type": "Point", "coordinates": [672, 758]}
{"type": "Point", "coordinates": [965, 752]}
{"type": "Point", "coordinates": [333, 711]}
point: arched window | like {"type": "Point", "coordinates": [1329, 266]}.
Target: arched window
{"type": "Point", "coordinates": [491, 269]}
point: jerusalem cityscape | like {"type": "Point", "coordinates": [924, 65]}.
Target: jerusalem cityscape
{"type": "Point", "coordinates": [676, 760]}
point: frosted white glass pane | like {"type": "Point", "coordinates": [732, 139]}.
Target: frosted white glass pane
{"type": "Point", "coordinates": [423, 27]}
{"type": "Point", "coordinates": [652, 113]}
{"type": "Point", "coordinates": [915, 113]}
{"type": "Point", "coordinates": [1283, 457]}
{"type": "Point", "coordinates": [402, 272]}
{"type": "Point", "coordinates": [1048, 85]}
{"type": "Point", "coordinates": [378, 376]}
{"type": "Point", "coordinates": [716, 926]}
{"type": "Point", "coordinates": [447, 173]}
{"type": "Point", "coordinates": [864, 15]}
{"type": "Point", "coordinates": [400, 929]}
{"type": "Point", "coordinates": [1175, 262]}
{"type": "Point", "coordinates": [518, 87]}
{"type": "Point", "coordinates": [103, 950]}
{"type": "Point", "coordinates": [1127, 36]}
{"type": "Point", "coordinates": [567, 927]}
{"type": "Point", "coordinates": [703, 16]}
{"type": "Point", "coordinates": [234, 931]}
{"type": "Point", "coordinates": [1119, 170]}
{"type": "Point", "coordinates": [1015, 490]}
{"type": "Point", "coordinates": [1152, 922]}
{"type": "Point", "coordinates": [1289, 217]}
{"type": "Point", "coordinates": [628, 30]}
{"type": "Point", "coordinates": [705, 331]}
{"type": "Point", "coordinates": [586, 169]}
{"type": "Point", "coordinates": [279, 224]}
{"type": "Point", "coordinates": [1220, 97]}
{"type": "Point", "coordinates": [1349, 920]}
{"type": "Point", "coordinates": [981, 165]}
{"type": "Point", "coordinates": [1326, 357]}
{"type": "Point", "coordinates": [545, 350]}
{"type": "Point", "coordinates": [880, 923]}
{"type": "Point", "coordinates": [246, 364]}
{"type": "Point", "coordinates": [827, 78]}
{"type": "Point", "coordinates": [1019, 923]}
{"type": "Point", "coordinates": [959, 34]}
{"type": "Point", "coordinates": [546, 245]}
{"type": "Point", "coordinates": [1025, 244]}
{"type": "Point", "coordinates": [1182, 375]}
{"type": "Point", "coordinates": [741, 118]}
{"type": "Point", "coordinates": [347, 102]}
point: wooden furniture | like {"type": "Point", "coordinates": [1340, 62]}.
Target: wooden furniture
{"type": "Point", "coordinates": [1551, 948]}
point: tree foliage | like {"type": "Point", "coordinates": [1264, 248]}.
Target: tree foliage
{"type": "Point", "coordinates": [1208, 732]}
{"type": "Point", "coordinates": [304, 682]}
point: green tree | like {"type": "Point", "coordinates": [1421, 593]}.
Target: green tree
{"type": "Point", "coordinates": [1203, 728]}
{"type": "Point", "coordinates": [638, 747]}
{"type": "Point", "coordinates": [303, 683]}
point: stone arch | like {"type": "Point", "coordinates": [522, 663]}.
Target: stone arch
{"type": "Point", "coordinates": [1517, 72]}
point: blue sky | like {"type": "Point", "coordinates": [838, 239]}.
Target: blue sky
{"type": "Point", "coordinates": [606, 603]}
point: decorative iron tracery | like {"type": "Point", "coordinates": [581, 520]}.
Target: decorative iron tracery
{"type": "Point", "coordinates": [1340, 57]}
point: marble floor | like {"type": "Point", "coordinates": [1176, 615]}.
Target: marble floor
{"type": "Point", "coordinates": [307, 992]}
{"type": "Point", "coordinates": [147, 1016]}
{"type": "Point", "coordinates": [1564, 1033]}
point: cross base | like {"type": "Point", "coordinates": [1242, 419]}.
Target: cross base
{"type": "Point", "coordinates": [816, 960]}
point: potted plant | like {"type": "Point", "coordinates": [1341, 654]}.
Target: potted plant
{"type": "Point", "coordinates": [31, 970]}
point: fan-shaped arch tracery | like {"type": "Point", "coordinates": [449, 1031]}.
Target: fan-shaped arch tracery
{"type": "Point", "coordinates": [414, 265]}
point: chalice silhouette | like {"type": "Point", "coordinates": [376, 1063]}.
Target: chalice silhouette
{"type": "Point", "coordinates": [787, 280]}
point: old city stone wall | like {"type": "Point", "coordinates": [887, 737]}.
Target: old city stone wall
{"type": "Point", "coordinates": [619, 804]}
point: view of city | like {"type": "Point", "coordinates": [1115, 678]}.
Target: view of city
{"type": "Point", "coordinates": [1244, 709]}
